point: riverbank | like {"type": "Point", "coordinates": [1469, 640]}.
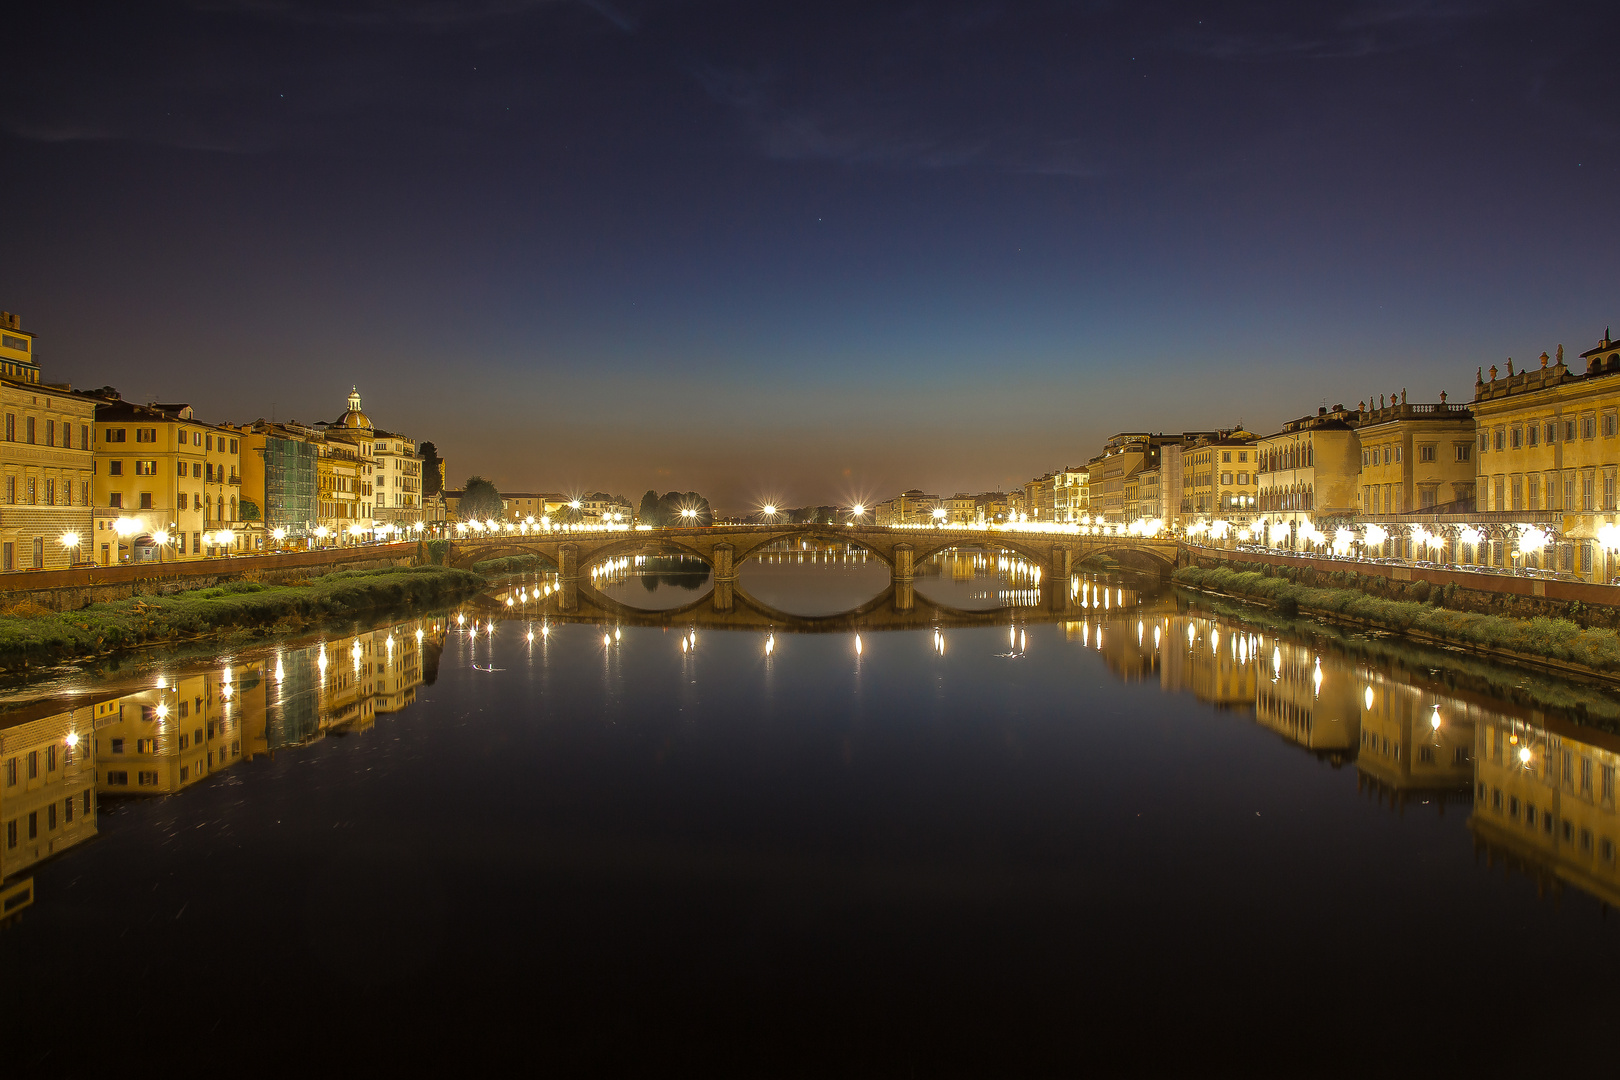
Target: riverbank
{"type": "Point", "coordinates": [32, 636]}
{"type": "Point", "coordinates": [1555, 643]}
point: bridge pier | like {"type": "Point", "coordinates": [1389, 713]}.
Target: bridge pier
{"type": "Point", "coordinates": [905, 573]}
{"type": "Point", "coordinates": [568, 577]}
{"type": "Point", "coordinates": [725, 576]}
{"type": "Point", "coordinates": [1058, 571]}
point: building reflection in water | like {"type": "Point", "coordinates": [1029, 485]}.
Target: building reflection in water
{"type": "Point", "coordinates": [1544, 802]}
{"type": "Point", "coordinates": [981, 577]}
{"type": "Point", "coordinates": [187, 726]}
{"type": "Point", "coordinates": [1542, 789]}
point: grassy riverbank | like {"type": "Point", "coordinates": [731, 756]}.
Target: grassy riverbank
{"type": "Point", "coordinates": [1541, 638]}
{"type": "Point", "coordinates": [512, 564]}
{"type": "Point", "coordinates": [32, 636]}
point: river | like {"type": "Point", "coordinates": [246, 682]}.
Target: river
{"type": "Point", "coordinates": [1141, 835]}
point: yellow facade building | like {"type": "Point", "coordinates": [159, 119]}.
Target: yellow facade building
{"type": "Point", "coordinates": [45, 461]}
{"type": "Point", "coordinates": [1310, 471]}
{"type": "Point", "coordinates": [1416, 458]}
{"type": "Point", "coordinates": [1548, 449]}
{"type": "Point", "coordinates": [166, 486]}
{"type": "Point", "coordinates": [397, 480]}
{"type": "Point", "coordinates": [1220, 479]}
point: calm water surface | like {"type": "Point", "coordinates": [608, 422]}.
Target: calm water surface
{"type": "Point", "coordinates": [1138, 836]}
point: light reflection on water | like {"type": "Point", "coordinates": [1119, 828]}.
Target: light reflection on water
{"type": "Point", "coordinates": [1091, 768]}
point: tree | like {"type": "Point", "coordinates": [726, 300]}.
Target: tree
{"type": "Point", "coordinates": [432, 469]}
{"type": "Point", "coordinates": [648, 514]}
{"type": "Point", "coordinates": [479, 499]}
{"type": "Point", "coordinates": [248, 509]}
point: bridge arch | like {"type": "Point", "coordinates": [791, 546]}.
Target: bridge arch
{"type": "Point", "coordinates": [640, 544]}
{"type": "Point", "coordinates": [1031, 551]}
{"type": "Point", "coordinates": [471, 556]}
{"type": "Point", "coordinates": [815, 532]}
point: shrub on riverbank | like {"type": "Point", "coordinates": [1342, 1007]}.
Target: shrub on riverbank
{"type": "Point", "coordinates": [512, 564]}
{"type": "Point", "coordinates": [1556, 639]}
{"type": "Point", "coordinates": [32, 639]}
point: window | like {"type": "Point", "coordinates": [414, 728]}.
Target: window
{"type": "Point", "coordinates": [1386, 455]}
{"type": "Point", "coordinates": [1588, 427]}
{"type": "Point", "coordinates": [182, 500]}
{"type": "Point", "coordinates": [11, 427]}
{"type": "Point", "coordinates": [30, 428]}
{"type": "Point", "coordinates": [147, 779]}
{"type": "Point", "coordinates": [185, 741]}
{"type": "Point", "coordinates": [33, 825]}
{"type": "Point", "coordinates": [182, 468]}
{"type": "Point", "coordinates": [50, 491]}
{"type": "Point", "coordinates": [1425, 453]}
{"type": "Point", "coordinates": [33, 764]}
{"type": "Point", "coordinates": [1588, 492]}
{"type": "Point", "coordinates": [1609, 425]}
{"type": "Point", "coordinates": [146, 746]}
{"type": "Point", "coordinates": [33, 491]}
{"type": "Point", "coordinates": [1569, 431]}
{"type": "Point", "coordinates": [1243, 455]}
{"type": "Point", "coordinates": [11, 772]}
{"type": "Point", "coordinates": [1552, 431]}
{"type": "Point", "coordinates": [1532, 434]}
{"type": "Point", "coordinates": [67, 809]}
{"type": "Point", "coordinates": [117, 779]}
{"type": "Point", "coordinates": [196, 471]}
{"type": "Point", "coordinates": [112, 435]}
{"type": "Point", "coordinates": [210, 445]}
{"type": "Point", "coordinates": [1397, 453]}
{"type": "Point", "coordinates": [50, 433]}
{"type": "Point", "coordinates": [1498, 438]}
{"type": "Point", "coordinates": [117, 746]}
{"type": "Point", "coordinates": [115, 500]}
{"type": "Point", "coordinates": [1226, 456]}
{"type": "Point", "coordinates": [233, 446]}
{"type": "Point", "coordinates": [146, 500]}
{"type": "Point", "coordinates": [115, 468]}
{"type": "Point", "coordinates": [11, 834]}
{"type": "Point", "coordinates": [1484, 442]}
{"type": "Point", "coordinates": [146, 468]}
{"type": "Point", "coordinates": [1516, 438]}
{"type": "Point", "coordinates": [11, 490]}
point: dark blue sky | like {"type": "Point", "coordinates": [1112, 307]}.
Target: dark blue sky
{"type": "Point", "coordinates": [810, 252]}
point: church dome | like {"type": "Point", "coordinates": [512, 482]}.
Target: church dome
{"type": "Point", "coordinates": [354, 418]}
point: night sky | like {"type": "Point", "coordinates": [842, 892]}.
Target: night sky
{"type": "Point", "coordinates": [805, 252]}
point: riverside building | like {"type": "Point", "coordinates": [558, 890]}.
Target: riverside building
{"type": "Point", "coordinates": [166, 486]}
{"type": "Point", "coordinates": [45, 461]}
{"type": "Point", "coordinates": [1548, 448]}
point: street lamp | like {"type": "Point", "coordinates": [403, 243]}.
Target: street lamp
{"type": "Point", "coordinates": [690, 514]}
{"type": "Point", "coordinates": [70, 540]}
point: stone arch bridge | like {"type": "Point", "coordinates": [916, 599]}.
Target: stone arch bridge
{"type": "Point", "coordinates": [724, 548]}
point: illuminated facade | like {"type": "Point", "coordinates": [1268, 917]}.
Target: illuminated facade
{"type": "Point", "coordinates": [1416, 458]}
{"type": "Point", "coordinates": [397, 480]}
{"type": "Point", "coordinates": [1310, 471]}
{"type": "Point", "coordinates": [1220, 479]}
{"type": "Point", "coordinates": [1548, 449]}
{"type": "Point", "coordinates": [45, 461]}
{"type": "Point", "coordinates": [161, 475]}
{"type": "Point", "coordinates": [909, 508]}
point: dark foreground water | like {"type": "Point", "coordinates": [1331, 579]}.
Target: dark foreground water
{"type": "Point", "coordinates": [1144, 837]}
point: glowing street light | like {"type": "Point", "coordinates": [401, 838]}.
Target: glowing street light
{"type": "Point", "coordinates": [69, 540]}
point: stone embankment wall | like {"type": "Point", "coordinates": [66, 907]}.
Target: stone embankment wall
{"type": "Point", "coordinates": [69, 590]}
{"type": "Point", "coordinates": [1580, 602]}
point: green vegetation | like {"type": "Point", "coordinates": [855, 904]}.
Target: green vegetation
{"type": "Point", "coordinates": [432, 469]}
{"type": "Point", "coordinates": [479, 499]}
{"type": "Point", "coordinates": [512, 564]}
{"type": "Point", "coordinates": [660, 510]}
{"type": "Point", "coordinates": [1553, 639]}
{"type": "Point", "coordinates": [37, 636]}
